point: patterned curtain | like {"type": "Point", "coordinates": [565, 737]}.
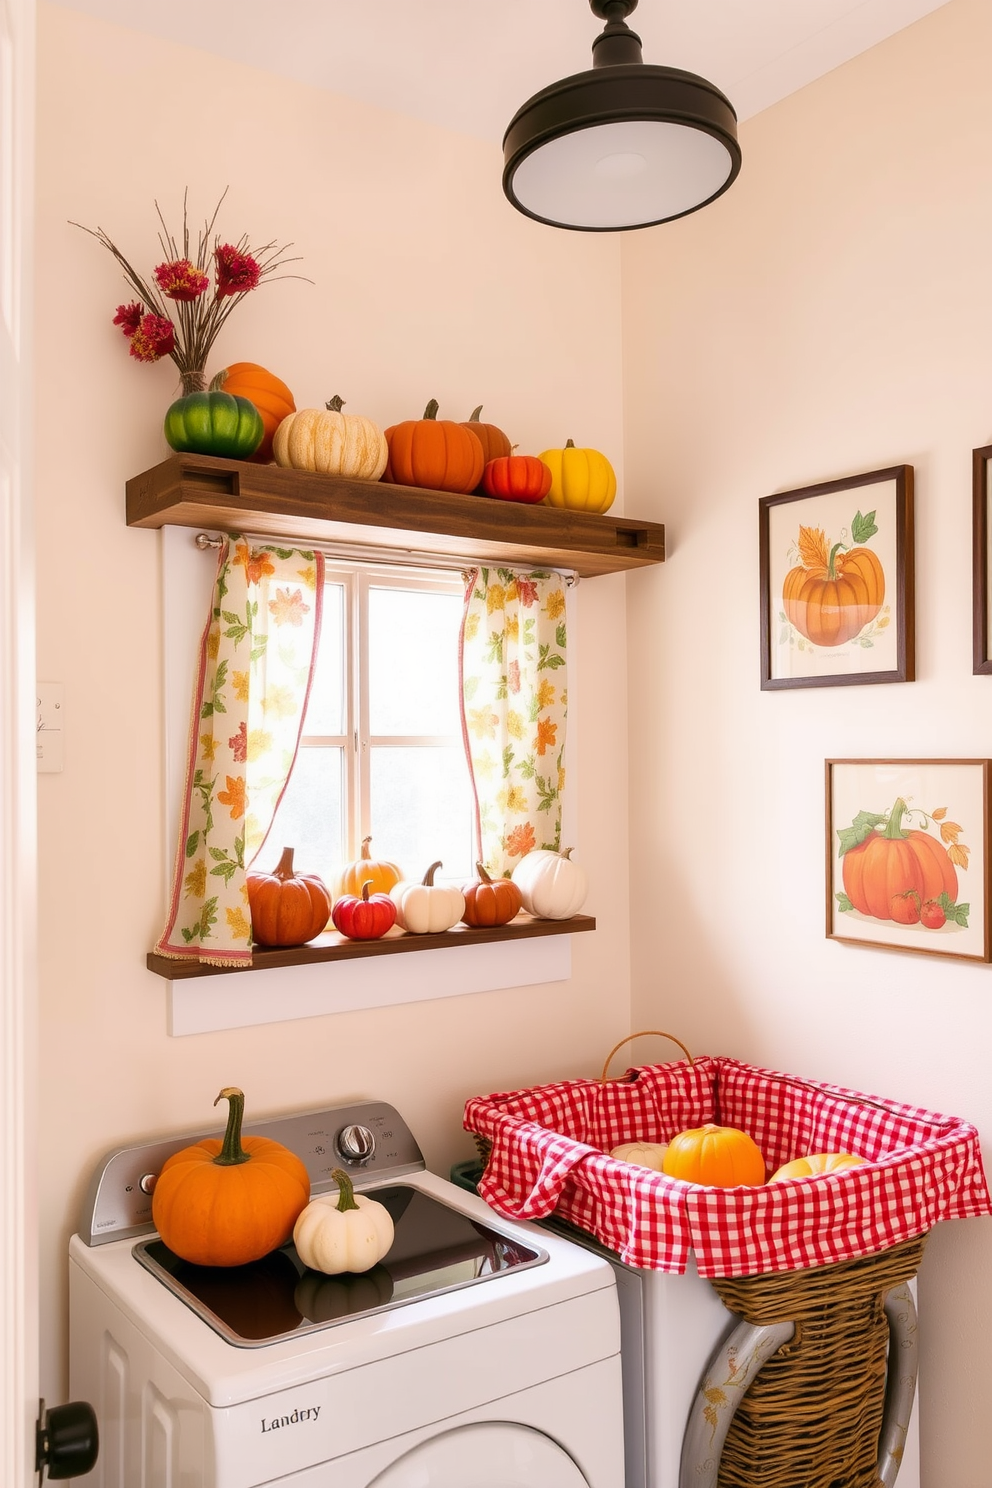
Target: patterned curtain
{"type": "Point", "coordinates": [255, 669]}
{"type": "Point", "coordinates": [514, 701]}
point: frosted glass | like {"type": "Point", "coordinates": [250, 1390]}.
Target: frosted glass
{"type": "Point", "coordinates": [413, 662]}
{"type": "Point", "coordinates": [422, 810]}
{"type": "Point", "coordinates": [326, 708]}
{"type": "Point", "coordinates": [310, 816]}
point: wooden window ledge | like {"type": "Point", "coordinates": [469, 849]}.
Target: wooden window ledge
{"type": "Point", "coordinates": [334, 947]}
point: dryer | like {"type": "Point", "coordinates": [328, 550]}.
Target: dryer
{"type": "Point", "coordinates": [479, 1353]}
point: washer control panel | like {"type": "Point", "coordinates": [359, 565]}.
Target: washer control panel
{"type": "Point", "coordinates": [369, 1139]}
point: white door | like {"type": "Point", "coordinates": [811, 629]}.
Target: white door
{"type": "Point", "coordinates": [18, 1222]}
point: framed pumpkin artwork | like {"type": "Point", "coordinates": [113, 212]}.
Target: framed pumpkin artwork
{"type": "Point", "coordinates": [837, 582]}
{"type": "Point", "coordinates": [908, 855]}
{"type": "Point", "coordinates": [981, 544]}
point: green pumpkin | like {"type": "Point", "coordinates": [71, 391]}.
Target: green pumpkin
{"type": "Point", "coordinates": [215, 424]}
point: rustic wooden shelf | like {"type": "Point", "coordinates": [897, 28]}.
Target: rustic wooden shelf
{"type": "Point", "coordinates": [335, 947]}
{"type": "Point", "coordinates": [237, 496]}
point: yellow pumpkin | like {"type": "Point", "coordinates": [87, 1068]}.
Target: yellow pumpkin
{"type": "Point", "coordinates": [378, 872]}
{"type": "Point", "coordinates": [642, 1154]}
{"type": "Point", "coordinates": [331, 443]}
{"type": "Point", "coordinates": [716, 1156]}
{"type": "Point", "coordinates": [816, 1163]}
{"type": "Point", "coordinates": [581, 479]}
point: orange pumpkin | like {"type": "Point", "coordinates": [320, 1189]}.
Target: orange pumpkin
{"type": "Point", "coordinates": [829, 605]}
{"type": "Point", "coordinates": [893, 863]}
{"type": "Point", "coordinates": [287, 908]}
{"type": "Point", "coordinates": [269, 394]}
{"type": "Point", "coordinates": [516, 478]}
{"type": "Point", "coordinates": [435, 453]}
{"type": "Point", "coordinates": [816, 1163]}
{"type": "Point", "coordinates": [717, 1156]}
{"type": "Point", "coordinates": [378, 873]}
{"type": "Point", "coordinates": [494, 442]}
{"type": "Point", "coordinates": [227, 1202]}
{"type": "Point", "coordinates": [490, 901]}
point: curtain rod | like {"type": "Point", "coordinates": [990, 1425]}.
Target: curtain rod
{"type": "Point", "coordinates": [413, 557]}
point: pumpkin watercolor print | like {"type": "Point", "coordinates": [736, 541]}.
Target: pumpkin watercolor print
{"type": "Point", "coordinates": [908, 854]}
{"type": "Point", "coordinates": [837, 582]}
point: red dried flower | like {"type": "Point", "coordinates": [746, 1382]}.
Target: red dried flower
{"type": "Point", "coordinates": [179, 280]}
{"type": "Point", "coordinates": [237, 272]}
{"type": "Point", "coordinates": [128, 317]}
{"type": "Point", "coordinates": [154, 338]}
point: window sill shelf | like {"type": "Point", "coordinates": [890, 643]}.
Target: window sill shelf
{"type": "Point", "coordinates": [335, 947]}
{"type": "Point", "coordinates": [236, 496]}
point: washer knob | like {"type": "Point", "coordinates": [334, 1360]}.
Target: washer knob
{"type": "Point", "coordinates": [356, 1143]}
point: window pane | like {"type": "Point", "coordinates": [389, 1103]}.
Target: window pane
{"type": "Point", "coordinates": [413, 662]}
{"type": "Point", "coordinates": [326, 708]}
{"type": "Point", "coordinates": [422, 810]}
{"type": "Point", "coordinates": [310, 816]}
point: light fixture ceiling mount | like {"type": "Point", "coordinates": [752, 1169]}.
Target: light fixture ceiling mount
{"type": "Point", "coordinates": [623, 145]}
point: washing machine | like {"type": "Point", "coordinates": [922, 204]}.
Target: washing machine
{"type": "Point", "coordinates": [478, 1353]}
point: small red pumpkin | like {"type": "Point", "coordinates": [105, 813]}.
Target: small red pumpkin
{"type": "Point", "coordinates": [366, 917]}
{"type": "Point", "coordinates": [490, 901]}
{"type": "Point", "coordinates": [494, 442]}
{"type": "Point", "coordinates": [437, 454]}
{"type": "Point", "coordinates": [517, 478]}
{"type": "Point", "coordinates": [287, 908]}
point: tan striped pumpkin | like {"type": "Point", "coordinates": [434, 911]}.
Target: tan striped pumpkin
{"type": "Point", "coordinates": [331, 443]}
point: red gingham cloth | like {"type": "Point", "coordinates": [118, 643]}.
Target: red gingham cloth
{"type": "Point", "coordinates": [550, 1152]}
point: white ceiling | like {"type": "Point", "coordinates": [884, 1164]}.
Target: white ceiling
{"type": "Point", "coordinates": [469, 64]}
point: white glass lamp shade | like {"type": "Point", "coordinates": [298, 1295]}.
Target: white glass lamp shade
{"type": "Point", "coordinates": [620, 147]}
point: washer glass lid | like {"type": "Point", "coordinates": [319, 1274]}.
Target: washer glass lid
{"type": "Point", "coordinates": [435, 1249]}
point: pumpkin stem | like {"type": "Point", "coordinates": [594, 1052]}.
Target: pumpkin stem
{"type": "Point", "coordinates": [335, 405]}
{"type": "Point", "coordinates": [429, 875]}
{"type": "Point", "coordinates": [365, 889]}
{"type": "Point", "coordinates": [346, 1190]}
{"type": "Point", "coordinates": [481, 871]}
{"type": "Point", "coordinates": [831, 569]}
{"type": "Point", "coordinates": [430, 412]}
{"type": "Point", "coordinates": [232, 1153]}
{"type": "Point", "coordinates": [893, 828]}
{"type": "Point", "coordinates": [473, 418]}
{"type": "Point", "coordinates": [565, 852]}
{"type": "Point", "coordinates": [365, 848]}
{"type": "Point", "coordinates": [284, 867]}
{"type": "Point", "coordinates": [569, 443]}
{"type": "Point", "coordinates": [217, 382]}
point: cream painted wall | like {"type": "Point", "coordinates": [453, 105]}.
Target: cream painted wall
{"type": "Point", "coordinates": [425, 284]}
{"type": "Point", "coordinates": [831, 315]}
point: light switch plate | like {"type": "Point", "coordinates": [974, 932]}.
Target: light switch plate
{"type": "Point", "coordinates": [50, 726]}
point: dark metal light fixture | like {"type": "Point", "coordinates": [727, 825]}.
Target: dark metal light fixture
{"type": "Point", "coordinates": [624, 145]}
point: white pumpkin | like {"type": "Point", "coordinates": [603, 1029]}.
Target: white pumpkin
{"type": "Point", "coordinates": [427, 908]}
{"type": "Point", "coordinates": [343, 1231]}
{"type": "Point", "coordinates": [641, 1154]}
{"type": "Point", "coordinates": [551, 885]}
{"type": "Point", "coordinates": [331, 443]}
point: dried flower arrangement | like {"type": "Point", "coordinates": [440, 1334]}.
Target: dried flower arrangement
{"type": "Point", "coordinates": [177, 316]}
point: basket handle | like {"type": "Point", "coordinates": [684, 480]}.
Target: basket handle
{"type": "Point", "coordinates": [656, 1032]}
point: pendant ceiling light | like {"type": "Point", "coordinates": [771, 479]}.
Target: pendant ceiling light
{"type": "Point", "coordinates": [623, 145]}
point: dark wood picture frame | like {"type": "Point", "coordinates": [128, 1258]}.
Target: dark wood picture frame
{"type": "Point", "coordinates": [895, 530]}
{"type": "Point", "coordinates": [981, 528]}
{"type": "Point", "coordinates": [946, 801]}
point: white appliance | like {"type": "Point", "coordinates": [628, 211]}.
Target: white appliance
{"type": "Point", "coordinates": [478, 1354]}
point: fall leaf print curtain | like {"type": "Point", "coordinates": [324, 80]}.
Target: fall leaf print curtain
{"type": "Point", "coordinates": [514, 703]}
{"type": "Point", "coordinates": [253, 680]}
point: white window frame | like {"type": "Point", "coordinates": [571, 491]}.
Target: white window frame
{"type": "Point", "coordinates": [212, 1004]}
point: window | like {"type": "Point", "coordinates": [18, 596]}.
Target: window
{"type": "Point", "coordinates": [381, 754]}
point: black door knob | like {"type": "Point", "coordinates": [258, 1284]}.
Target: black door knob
{"type": "Point", "coordinates": [68, 1442]}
